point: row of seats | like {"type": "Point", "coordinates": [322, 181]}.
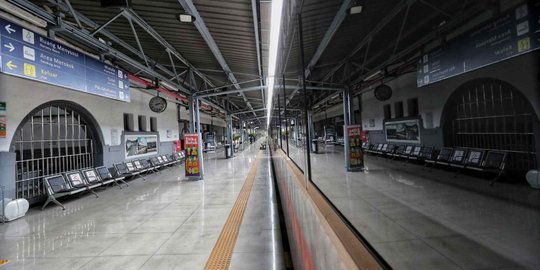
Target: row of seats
{"type": "Point", "coordinates": [86, 180]}
{"type": "Point", "coordinates": [488, 161]}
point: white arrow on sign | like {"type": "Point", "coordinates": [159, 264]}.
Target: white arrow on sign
{"type": "Point", "coordinates": [9, 29]}
{"type": "Point", "coordinates": [10, 47]}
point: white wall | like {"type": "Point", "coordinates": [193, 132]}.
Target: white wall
{"type": "Point", "coordinates": [521, 72]}
{"type": "Point", "coordinates": [22, 96]}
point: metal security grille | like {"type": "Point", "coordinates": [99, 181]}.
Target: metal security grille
{"type": "Point", "coordinates": [54, 140]}
{"type": "Point", "coordinates": [492, 115]}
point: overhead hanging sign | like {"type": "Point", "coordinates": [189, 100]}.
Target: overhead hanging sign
{"type": "Point", "coordinates": [514, 33]}
{"type": "Point", "coordinates": [29, 55]}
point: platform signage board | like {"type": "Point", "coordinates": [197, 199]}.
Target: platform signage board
{"type": "Point", "coordinates": [192, 164]}
{"type": "Point", "coordinates": [514, 33]}
{"type": "Point", "coordinates": [355, 155]}
{"type": "Point", "coordinates": [29, 55]}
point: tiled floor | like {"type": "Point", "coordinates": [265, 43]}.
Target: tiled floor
{"type": "Point", "coordinates": [163, 223]}
{"type": "Point", "coordinates": [419, 219]}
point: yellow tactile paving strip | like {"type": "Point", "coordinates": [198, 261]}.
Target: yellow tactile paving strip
{"type": "Point", "coordinates": [221, 255]}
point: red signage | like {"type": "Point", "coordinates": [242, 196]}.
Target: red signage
{"type": "Point", "coordinates": [356, 156]}
{"type": "Point", "coordinates": [363, 135]}
{"type": "Point", "coordinates": [178, 146]}
{"type": "Point", "coordinates": [193, 165]}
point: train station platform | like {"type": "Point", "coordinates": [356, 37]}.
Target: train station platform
{"type": "Point", "coordinates": [165, 222]}
{"type": "Point", "coordinates": [419, 218]}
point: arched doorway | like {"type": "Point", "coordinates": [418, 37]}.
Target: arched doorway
{"type": "Point", "coordinates": [491, 114]}
{"type": "Point", "coordinates": [54, 138]}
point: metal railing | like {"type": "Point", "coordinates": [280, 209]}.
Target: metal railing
{"type": "Point", "coordinates": [54, 140]}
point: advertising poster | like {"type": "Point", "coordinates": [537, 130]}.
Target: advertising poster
{"type": "Point", "coordinates": [3, 126]}
{"type": "Point", "coordinates": [140, 145]}
{"type": "Point", "coordinates": [356, 156]}
{"type": "Point", "coordinates": [407, 131]}
{"type": "Point", "coordinates": [193, 165]}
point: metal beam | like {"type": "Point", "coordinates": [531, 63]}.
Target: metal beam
{"type": "Point", "coordinates": [28, 6]}
{"type": "Point", "coordinates": [456, 21]}
{"type": "Point", "coordinates": [334, 26]}
{"type": "Point", "coordinates": [190, 8]}
{"type": "Point", "coordinates": [254, 110]}
{"type": "Point", "coordinates": [107, 23]}
{"type": "Point", "coordinates": [382, 23]}
{"type": "Point", "coordinates": [73, 13]}
{"type": "Point", "coordinates": [128, 12]}
{"type": "Point", "coordinates": [255, 88]}
{"type": "Point", "coordinates": [86, 38]}
{"type": "Point", "coordinates": [137, 40]}
{"type": "Point", "coordinates": [258, 45]}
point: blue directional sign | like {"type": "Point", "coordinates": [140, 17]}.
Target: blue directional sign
{"type": "Point", "coordinates": [29, 55]}
{"type": "Point", "coordinates": [514, 33]}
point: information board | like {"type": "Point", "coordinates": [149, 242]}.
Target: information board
{"type": "Point", "coordinates": [356, 156]}
{"type": "Point", "coordinates": [514, 33]}
{"type": "Point", "coordinates": [193, 165]}
{"type": "Point", "coordinates": [29, 55]}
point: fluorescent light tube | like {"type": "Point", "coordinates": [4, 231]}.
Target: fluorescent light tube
{"type": "Point", "coordinates": [275, 25]}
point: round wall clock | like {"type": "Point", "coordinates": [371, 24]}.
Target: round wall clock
{"type": "Point", "coordinates": [158, 104]}
{"type": "Point", "coordinates": [383, 92]}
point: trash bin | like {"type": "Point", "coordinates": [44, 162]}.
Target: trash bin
{"type": "Point", "coordinates": [314, 146]}
{"type": "Point", "coordinates": [227, 151]}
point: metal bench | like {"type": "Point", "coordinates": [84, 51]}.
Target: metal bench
{"type": "Point", "coordinates": [106, 176]}
{"type": "Point", "coordinates": [57, 186]}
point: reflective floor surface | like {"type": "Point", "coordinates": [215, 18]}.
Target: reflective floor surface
{"type": "Point", "coordinates": [421, 219]}
{"type": "Point", "coordinates": [163, 223]}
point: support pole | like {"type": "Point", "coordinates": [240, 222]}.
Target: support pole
{"type": "Point", "coordinates": [191, 114]}
{"type": "Point", "coordinates": [285, 115]}
{"type": "Point", "coordinates": [200, 148]}
{"type": "Point", "coordinates": [279, 120]}
{"type": "Point", "coordinates": [346, 116]}
{"type": "Point", "coordinates": [307, 171]}
{"type": "Point", "coordinates": [230, 134]}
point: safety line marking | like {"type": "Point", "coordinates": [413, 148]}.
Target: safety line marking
{"type": "Point", "coordinates": [221, 255]}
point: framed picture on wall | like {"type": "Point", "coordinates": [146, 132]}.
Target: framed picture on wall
{"type": "Point", "coordinates": [140, 145]}
{"type": "Point", "coordinates": [406, 131]}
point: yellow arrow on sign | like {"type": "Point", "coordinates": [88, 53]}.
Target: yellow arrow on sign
{"type": "Point", "coordinates": [10, 65]}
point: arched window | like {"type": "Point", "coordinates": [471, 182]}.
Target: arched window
{"type": "Point", "coordinates": [493, 115]}
{"type": "Point", "coordinates": [54, 138]}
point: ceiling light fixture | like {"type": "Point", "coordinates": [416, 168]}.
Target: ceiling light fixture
{"type": "Point", "coordinates": [186, 18]}
{"type": "Point", "coordinates": [356, 10]}
{"type": "Point", "coordinates": [275, 25]}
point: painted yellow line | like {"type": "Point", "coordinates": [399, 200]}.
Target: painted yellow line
{"type": "Point", "coordinates": [3, 262]}
{"type": "Point", "coordinates": [221, 255]}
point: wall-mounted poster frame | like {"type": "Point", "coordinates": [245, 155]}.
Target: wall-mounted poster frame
{"type": "Point", "coordinates": [404, 131]}
{"type": "Point", "coordinates": [139, 145]}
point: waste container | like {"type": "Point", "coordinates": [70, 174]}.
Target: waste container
{"type": "Point", "coordinates": [314, 146]}
{"type": "Point", "coordinates": [228, 153]}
